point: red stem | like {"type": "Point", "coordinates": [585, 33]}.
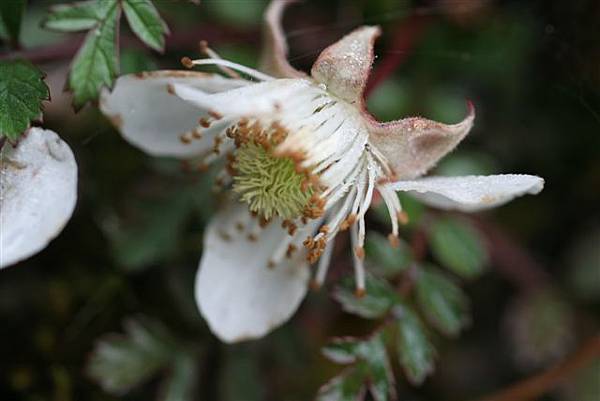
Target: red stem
{"type": "Point", "coordinates": [406, 37]}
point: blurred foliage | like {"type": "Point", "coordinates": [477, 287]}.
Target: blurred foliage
{"type": "Point", "coordinates": [134, 243]}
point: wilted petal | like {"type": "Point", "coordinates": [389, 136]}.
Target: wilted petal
{"type": "Point", "coordinates": [38, 191]}
{"type": "Point", "coordinates": [344, 66]}
{"type": "Point", "coordinates": [274, 51]}
{"type": "Point", "coordinates": [152, 119]}
{"type": "Point", "coordinates": [471, 193]}
{"type": "Point", "coordinates": [238, 294]}
{"type": "Point", "coordinates": [414, 145]}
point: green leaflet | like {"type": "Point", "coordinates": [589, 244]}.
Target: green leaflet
{"type": "Point", "coordinates": [22, 90]}
{"type": "Point", "coordinates": [145, 21]}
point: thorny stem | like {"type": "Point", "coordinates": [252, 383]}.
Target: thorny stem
{"type": "Point", "coordinates": [405, 38]}
{"type": "Point", "coordinates": [533, 387]}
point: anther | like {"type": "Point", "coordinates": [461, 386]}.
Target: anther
{"type": "Point", "coordinates": [360, 292]}
{"type": "Point", "coordinates": [204, 122]}
{"type": "Point", "coordinates": [359, 251]}
{"type": "Point", "coordinates": [403, 217]}
{"type": "Point", "coordinates": [215, 114]}
{"type": "Point", "coordinates": [394, 240]}
{"type": "Point", "coordinates": [187, 62]}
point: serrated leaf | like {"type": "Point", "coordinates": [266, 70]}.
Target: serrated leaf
{"type": "Point", "coordinates": [444, 303]}
{"type": "Point", "coordinates": [118, 363]}
{"type": "Point", "coordinates": [347, 386]}
{"type": "Point", "coordinates": [376, 302]}
{"type": "Point", "coordinates": [73, 17]}
{"type": "Point", "coordinates": [11, 14]}
{"type": "Point", "coordinates": [22, 90]}
{"type": "Point", "coordinates": [415, 352]}
{"type": "Point", "coordinates": [370, 354]}
{"type": "Point", "coordinates": [384, 258]}
{"type": "Point", "coordinates": [458, 246]}
{"type": "Point", "coordinates": [146, 23]}
{"type": "Point", "coordinates": [96, 63]}
{"type": "Point", "coordinates": [381, 383]}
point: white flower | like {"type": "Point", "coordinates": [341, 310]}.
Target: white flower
{"type": "Point", "coordinates": [38, 191]}
{"type": "Point", "coordinates": [303, 157]}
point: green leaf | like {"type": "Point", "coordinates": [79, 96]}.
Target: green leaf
{"type": "Point", "coordinates": [146, 23]}
{"type": "Point", "coordinates": [377, 301]}
{"type": "Point", "coordinates": [180, 384]}
{"type": "Point", "coordinates": [120, 362]}
{"type": "Point", "coordinates": [11, 14]}
{"type": "Point", "coordinates": [96, 63]}
{"type": "Point", "coordinates": [370, 355]}
{"type": "Point", "coordinates": [381, 383]}
{"type": "Point", "coordinates": [22, 90]}
{"type": "Point", "coordinates": [347, 386]}
{"type": "Point", "coordinates": [415, 352]}
{"type": "Point", "coordinates": [73, 17]}
{"type": "Point", "coordinates": [386, 259]}
{"type": "Point", "coordinates": [458, 246]}
{"type": "Point", "coordinates": [443, 302]}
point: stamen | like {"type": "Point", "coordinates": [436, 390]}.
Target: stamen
{"type": "Point", "coordinates": [238, 67]}
{"type": "Point", "coordinates": [203, 45]}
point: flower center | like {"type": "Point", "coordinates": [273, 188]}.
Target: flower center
{"type": "Point", "coordinates": [270, 184]}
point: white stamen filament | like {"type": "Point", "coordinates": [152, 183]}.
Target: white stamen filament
{"type": "Point", "coordinates": [238, 67]}
{"type": "Point", "coordinates": [324, 263]}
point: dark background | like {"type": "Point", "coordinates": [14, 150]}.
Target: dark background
{"type": "Point", "coordinates": [532, 68]}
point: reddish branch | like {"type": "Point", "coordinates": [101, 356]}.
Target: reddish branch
{"type": "Point", "coordinates": [405, 38]}
{"type": "Point", "coordinates": [540, 384]}
{"type": "Point", "coordinates": [510, 259]}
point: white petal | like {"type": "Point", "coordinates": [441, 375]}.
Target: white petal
{"type": "Point", "coordinates": [239, 296]}
{"type": "Point", "coordinates": [152, 119]}
{"type": "Point", "coordinates": [471, 193]}
{"type": "Point", "coordinates": [38, 183]}
{"type": "Point", "coordinates": [260, 98]}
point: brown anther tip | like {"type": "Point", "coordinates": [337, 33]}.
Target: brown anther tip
{"type": "Point", "coordinates": [394, 240]}
{"type": "Point", "coordinates": [202, 167]}
{"type": "Point", "coordinates": [204, 122]}
{"type": "Point", "coordinates": [403, 217]}
{"type": "Point", "coordinates": [324, 229]}
{"type": "Point", "coordinates": [239, 226]}
{"type": "Point", "coordinates": [360, 293]}
{"type": "Point", "coordinates": [359, 251]}
{"type": "Point", "coordinates": [225, 236]}
{"type": "Point", "coordinates": [215, 114]}
{"type": "Point", "coordinates": [185, 139]}
{"type": "Point", "coordinates": [252, 237]}
{"type": "Point", "coordinates": [314, 285]}
{"type": "Point", "coordinates": [271, 264]}
{"type": "Point", "coordinates": [170, 89]}
{"type": "Point", "coordinates": [187, 62]}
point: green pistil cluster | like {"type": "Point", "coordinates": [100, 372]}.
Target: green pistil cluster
{"type": "Point", "coordinates": [270, 185]}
